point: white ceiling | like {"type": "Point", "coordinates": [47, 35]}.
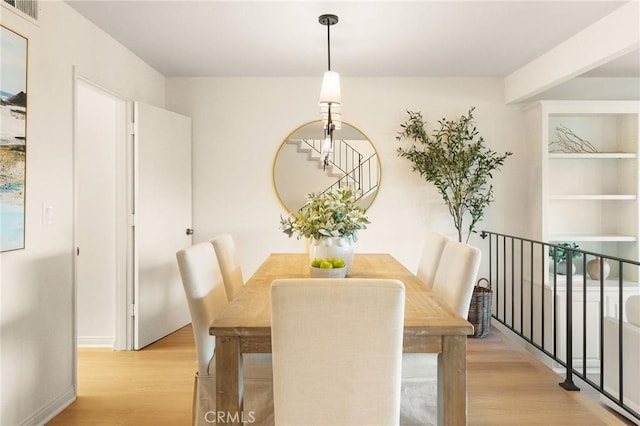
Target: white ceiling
{"type": "Point", "coordinates": [373, 38]}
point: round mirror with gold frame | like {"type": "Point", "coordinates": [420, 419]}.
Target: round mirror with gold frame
{"type": "Point", "coordinates": [298, 169]}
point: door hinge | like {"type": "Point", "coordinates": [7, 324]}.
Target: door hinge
{"type": "Point", "coordinates": [133, 310]}
{"type": "Point", "coordinates": [132, 220]}
{"type": "Point", "coordinates": [133, 128]}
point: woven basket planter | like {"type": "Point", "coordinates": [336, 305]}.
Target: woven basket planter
{"type": "Point", "coordinates": [480, 308]}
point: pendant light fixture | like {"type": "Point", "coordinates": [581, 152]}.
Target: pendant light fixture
{"type": "Point", "coordinates": [330, 97]}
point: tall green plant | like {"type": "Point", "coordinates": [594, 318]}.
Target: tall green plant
{"type": "Point", "coordinates": [455, 159]}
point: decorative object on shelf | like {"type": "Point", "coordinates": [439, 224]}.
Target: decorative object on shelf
{"type": "Point", "coordinates": [569, 142]}
{"type": "Point", "coordinates": [455, 159]}
{"type": "Point", "coordinates": [559, 256]}
{"type": "Point", "coordinates": [330, 221]}
{"type": "Point", "coordinates": [593, 269]}
{"type": "Point", "coordinates": [562, 268]}
{"type": "Point", "coordinates": [330, 95]}
{"type": "Point", "coordinates": [480, 308]}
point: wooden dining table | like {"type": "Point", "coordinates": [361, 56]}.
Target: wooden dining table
{"type": "Point", "coordinates": [430, 326]}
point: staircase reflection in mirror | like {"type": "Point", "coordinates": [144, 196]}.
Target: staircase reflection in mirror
{"type": "Point", "coordinates": [298, 168]}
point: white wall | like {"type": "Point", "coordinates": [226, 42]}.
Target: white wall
{"type": "Point", "coordinates": [239, 123]}
{"type": "Point", "coordinates": [36, 286]}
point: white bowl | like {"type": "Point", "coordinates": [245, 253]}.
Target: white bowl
{"type": "Point", "coordinates": [328, 272]}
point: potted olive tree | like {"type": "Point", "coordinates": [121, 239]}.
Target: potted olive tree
{"type": "Point", "coordinates": [455, 159]}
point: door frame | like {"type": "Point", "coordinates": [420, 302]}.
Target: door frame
{"type": "Point", "coordinates": [123, 339]}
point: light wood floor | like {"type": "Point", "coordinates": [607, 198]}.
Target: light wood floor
{"type": "Point", "coordinates": [506, 386]}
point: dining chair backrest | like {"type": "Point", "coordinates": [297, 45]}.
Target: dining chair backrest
{"type": "Point", "coordinates": [456, 275]}
{"type": "Point", "coordinates": [431, 252]}
{"type": "Point", "coordinates": [206, 297]}
{"type": "Point", "coordinates": [337, 351]}
{"type": "Point", "coordinates": [229, 262]}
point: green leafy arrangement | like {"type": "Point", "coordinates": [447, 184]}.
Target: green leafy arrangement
{"type": "Point", "coordinates": [329, 214]}
{"type": "Point", "coordinates": [455, 159]}
{"type": "Point", "coordinates": [559, 254]}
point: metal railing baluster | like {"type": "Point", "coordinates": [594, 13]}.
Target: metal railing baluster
{"type": "Point", "coordinates": [521, 286]}
{"type": "Point", "coordinates": [500, 260]}
{"type": "Point", "coordinates": [601, 349]}
{"type": "Point", "coordinates": [504, 278]}
{"type": "Point", "coordinates": [543, 273]}
{"type": "Point", "coordinates": [584, 316]}
{"type": "Point", "coordinates": [513, 321]}
{"type": "Point", "coordinates": [531, 296]}
{"type": "Point", "coordinates": [620, 333]}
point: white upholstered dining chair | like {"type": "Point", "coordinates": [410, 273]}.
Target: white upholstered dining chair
{"type": "Point", "coordinates": [456, 275]}
{"type": "Point", "coordinates": [229, 262]}
{"type": "Point", "coordinates": [453, 282]}
{"type": "Point", "coordinates": [432, 248]}
{"type": "Point", "coordinates": [337, 350]}
{"type": "Point", "coordinates": [206, 297]}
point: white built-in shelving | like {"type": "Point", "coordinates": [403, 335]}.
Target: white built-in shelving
{"type": "Point", "coordinates": [590, 198]}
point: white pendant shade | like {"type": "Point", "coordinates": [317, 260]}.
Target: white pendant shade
{"type": "Point", "coordinates": [330, 92]}
{"type": "Point", "coordinates": [336, 116]}
{"type": "Point", "coordinates": [324, 110]}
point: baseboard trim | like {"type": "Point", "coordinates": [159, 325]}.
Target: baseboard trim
{"type": "Point", "coordinates": [618, 409]}
{"type": "Point", "coordinates": [52, 409]}
{"type": "Point", "coordinates": [96, 341]}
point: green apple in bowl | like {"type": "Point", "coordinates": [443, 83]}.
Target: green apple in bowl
{"type": "Point", "coordinates": [338, 263]}
{"type": "Point", "coordinates": [326, 265]}
{"type": "Point", "coordinates": [328, 268]}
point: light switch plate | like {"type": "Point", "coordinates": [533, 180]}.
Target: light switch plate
{"type": "Point", "coordinates": [47, 214]}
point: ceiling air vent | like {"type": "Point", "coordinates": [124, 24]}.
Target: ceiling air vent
{"type": "Point", "coordinates": [28, 7]}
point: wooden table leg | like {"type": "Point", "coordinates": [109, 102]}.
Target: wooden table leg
{"type": "Point", "coordinates": [228, 381]}
{"type": "Point", "coordinates": [452, 381]}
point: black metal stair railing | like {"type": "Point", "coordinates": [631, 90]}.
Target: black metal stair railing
{"type": "Point", "coordinates": [577, 322]}
{"type": "Point", "coordinates": [361, 176]}
{"type": "Point", "coordinates": [362, 179]}
{"type": "Point", "coordinates": [343, 157]}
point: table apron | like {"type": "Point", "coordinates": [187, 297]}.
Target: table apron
{"type": "Point", "coordinates": [422, 344]}
{"type": "Point", "coordinates": [255, 344]}
{"type": "Point", "coordinates": [410, 344]}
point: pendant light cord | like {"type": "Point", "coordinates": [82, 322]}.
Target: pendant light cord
{"type": "Point", "coordinates": [329, 46]}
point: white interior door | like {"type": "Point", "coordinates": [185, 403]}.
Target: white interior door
{"type": "Point", "coordinates": [162, 215]}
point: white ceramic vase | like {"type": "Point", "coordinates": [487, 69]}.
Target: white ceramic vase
{"type": "Point", "coordinates": [593, 268]}
{"type": "Point", "coordinates": [336, 247]}
{"type": "Point", "coordinates": [562, 268]}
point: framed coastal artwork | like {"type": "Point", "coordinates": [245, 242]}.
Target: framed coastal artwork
{"type": "Point", "coordinates": [13, 138]}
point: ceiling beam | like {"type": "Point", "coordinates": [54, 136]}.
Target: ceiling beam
{"type": "Point", "coordinates": [609, 38]}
